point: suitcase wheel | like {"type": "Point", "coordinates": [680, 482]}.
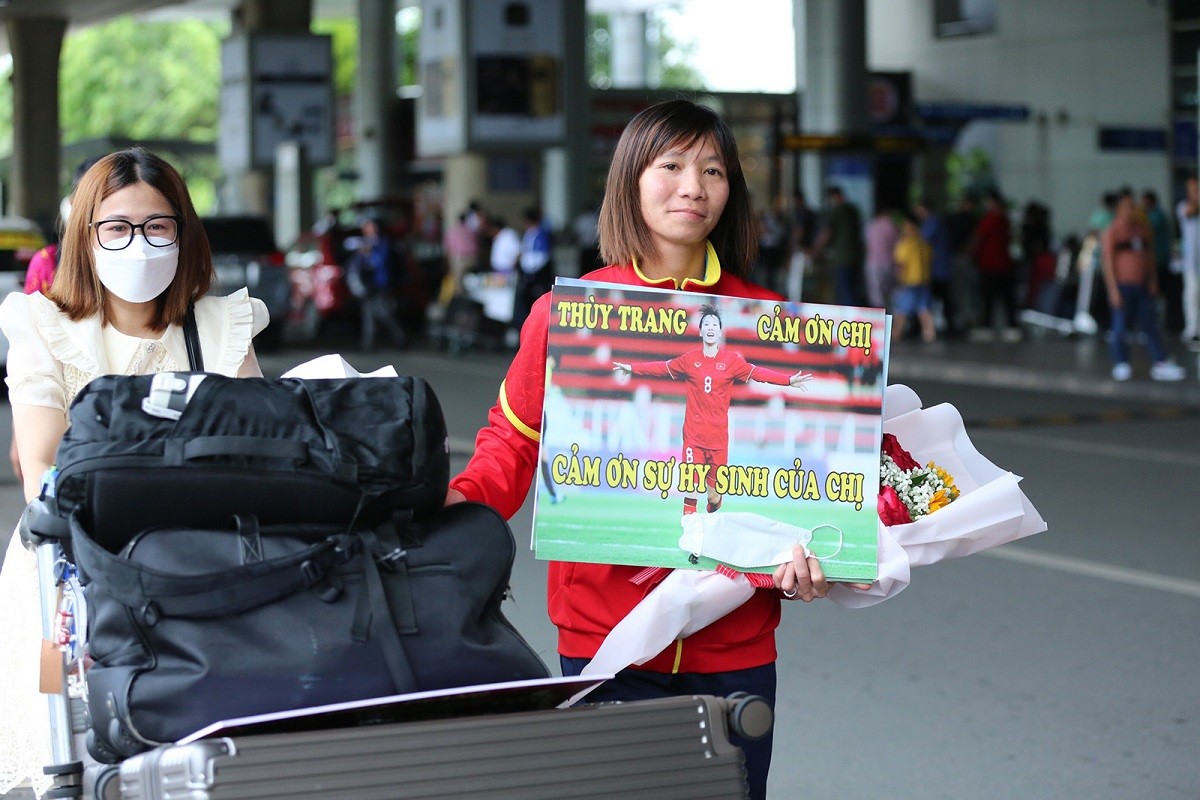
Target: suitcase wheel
{"type": "Point", "coordinates": [750, 716]}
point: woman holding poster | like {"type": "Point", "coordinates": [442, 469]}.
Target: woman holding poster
{"type": "Point", "coordinates": [676, 215]}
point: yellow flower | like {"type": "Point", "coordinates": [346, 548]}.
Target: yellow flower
{"type": "Point", "coordinates": [947, 479]}
{"type": "Point", "coordinates": [938, 500]}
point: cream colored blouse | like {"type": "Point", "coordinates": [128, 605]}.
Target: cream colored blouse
{"type": "Point", "coordinates": [50, 358]}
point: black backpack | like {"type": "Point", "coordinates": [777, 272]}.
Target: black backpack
{"type": "Point", "coordinates": [188, 449]}
{"type": "Point", "coordinates": [260, 545]}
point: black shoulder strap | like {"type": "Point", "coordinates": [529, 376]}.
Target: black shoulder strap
{"type": "Point", "coordinates": [191, 337]}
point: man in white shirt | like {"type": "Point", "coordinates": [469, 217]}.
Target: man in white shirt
{"type": "Point", "coordinates": [506, 246]}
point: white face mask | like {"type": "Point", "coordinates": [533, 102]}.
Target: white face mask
{"type": "Point", "coordinates": [140, 272]}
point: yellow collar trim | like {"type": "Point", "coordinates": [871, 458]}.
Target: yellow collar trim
{"type": "Point", "coordinates": [712, 271]}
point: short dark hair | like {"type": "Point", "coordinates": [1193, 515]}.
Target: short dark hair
{"type": "Point", "coordinates": [710, 310]}
{"type": "Point", "coordinates": [76, 288]}
{"type": "Point", "coordinates": [624, 236]}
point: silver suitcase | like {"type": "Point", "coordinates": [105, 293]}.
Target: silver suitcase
{"type": "Point", "coordinates": [652, 749]}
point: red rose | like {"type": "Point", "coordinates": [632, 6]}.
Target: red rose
{"type": "Point", "coordinates": [891, 508]}
{"type": "Point", "coordinates": [902, 457]}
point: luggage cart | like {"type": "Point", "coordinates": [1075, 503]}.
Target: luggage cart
{"type": "Point", "coordinates": [648, 748]}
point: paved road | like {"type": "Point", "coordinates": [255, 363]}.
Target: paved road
{"type": "Point", "coordinates": [1063, 666]}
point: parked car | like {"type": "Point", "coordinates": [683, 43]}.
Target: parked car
{"type": "Point", "coordinates": [20, 238]}
{"type": "Point", "coordinates": [244, 254]}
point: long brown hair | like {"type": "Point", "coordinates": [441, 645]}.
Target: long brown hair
{"type": "Point", "coordinates": [76, 288]}
{"type": "Point", "coordinates": [674, 123]}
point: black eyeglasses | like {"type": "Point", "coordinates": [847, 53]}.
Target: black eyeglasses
{"type": "Point", "coordinates": [117, 234]}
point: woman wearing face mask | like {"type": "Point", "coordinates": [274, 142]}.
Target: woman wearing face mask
{"type": "Point", "coordinates": [134, 257]}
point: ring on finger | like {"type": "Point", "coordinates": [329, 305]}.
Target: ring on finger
{"type": "Point", "coordinates": [795, 590]}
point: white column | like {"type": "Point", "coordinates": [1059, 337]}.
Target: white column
{"type": "Point", "coordinates": [628, 52]}
{"type": "Point", "coordinates": [375, 97]}
{"type": "Point", "coordinates": [250, 191]}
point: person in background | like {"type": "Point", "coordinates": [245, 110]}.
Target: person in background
{"type": "Point", "coordinates": [997, 270]}
{"type": "Point", "coordinates": [506, 245]}
{"type": "Point", "coordinates": [134, 259]}
{"type": "Point", "coordinates": [773, 241]}
{"type": "Point", "coordinates": [913, 257]}
{"type": "Point", "coordinates": [586, 231]}
{"type": "Point", "coordinates": [1102, 215]}
{"type": "Point", "coordinates": [882, 235]}
{"type": "Point", "coordinates": [841, 241]}
{"type": "Point", "coordinates": [960, 228]}
{"type": "Point", "coordinates": [369, 274]}
{"type": "Point", "coordinates": [676, 215]}
{"type": "Point", "coordinates": [1127, 262]}
{"type": "Point", "coordinates": [537, 266]}
{"type": "Point", "coordinates": [40, 274]}
{"type": "Point", "coordinates": [804, 228]}
{"type": "Point", "coordinates": [1170, 283]}
{"type": "Point", "coordinates": [1187, 214]}
{"type": "Point", "coordinates": [936, 231]}
{"type": "Point", "coordinates": [1037, 255]}
{"type": "Point", "coordinates": [462, 252]}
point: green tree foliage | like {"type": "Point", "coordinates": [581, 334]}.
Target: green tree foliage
{"type": "Point", "coordinates": [343, 32]}
{"type": "Point", "coordinates": [969, 173]}
{"type": "Point", "coordinates": [674, 56]}
{"type": "Point", "coordinates": [141, 80]}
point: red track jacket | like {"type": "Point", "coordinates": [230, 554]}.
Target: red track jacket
{"type": "Point", "coordinates": [587, 600]}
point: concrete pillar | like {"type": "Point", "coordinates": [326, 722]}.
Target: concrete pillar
{"type": "Point", "coordinates": [464, 178]}
{"type": "Point", "coordinates": [293, 193]}
{"type": "Point", "coordinates": [250, 191]}
{"type": "Point", "coordinates": [835, 65]}
{"type": "Point", "coordinates": [831, 73]}
{"type": "Point", "coordinates": [378, 155]}
{"type": "Point", "coordinates": [565, 169]}
{"type": "Point", "coordinates": [35, 43]}
{"type": "Point", "coordinates": [629, 50]}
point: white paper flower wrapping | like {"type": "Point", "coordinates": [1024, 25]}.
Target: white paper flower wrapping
{"type": "Point", "coordinates": [991, 511]}
{"type": "Point", "coordinates": [683, 603]}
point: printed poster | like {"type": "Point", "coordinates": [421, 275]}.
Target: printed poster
{"type": "Point", "coordinates": [687, 430]}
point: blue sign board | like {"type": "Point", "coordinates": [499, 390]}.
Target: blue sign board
{"type": "Point", "coordinates": [1141, 140]}
{"type": "Point", "coordinates": [971, 111]}
{"type": "Point", "coordinates": [1185, 141]}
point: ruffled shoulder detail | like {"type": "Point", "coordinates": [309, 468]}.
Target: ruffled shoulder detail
{"type": "Point", "coordinates": [72, 343]}
{"type": "Point", "coordinates": [227, 326]}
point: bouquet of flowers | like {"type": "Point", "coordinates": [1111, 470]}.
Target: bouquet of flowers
{"type": "Point", "coordinates": [980, 507]}
{"type": "Point", "coordinates": [908, 491]}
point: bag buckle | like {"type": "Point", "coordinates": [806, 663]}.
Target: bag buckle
{"type": "Point", "coordinates": [313, 573]}
{"type": "Point", "coordinates": [390, 559]}
{"type": "Point", "coordinates": [169, 394]}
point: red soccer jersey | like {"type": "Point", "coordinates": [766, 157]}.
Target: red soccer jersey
{"type": "Point", "coordinates": [709, 388]}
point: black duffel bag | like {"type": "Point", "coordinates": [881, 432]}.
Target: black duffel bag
{"type": "Point", "coordinates": [191, 450]}
{"type": "Point", "coordinates": [192, 626]}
